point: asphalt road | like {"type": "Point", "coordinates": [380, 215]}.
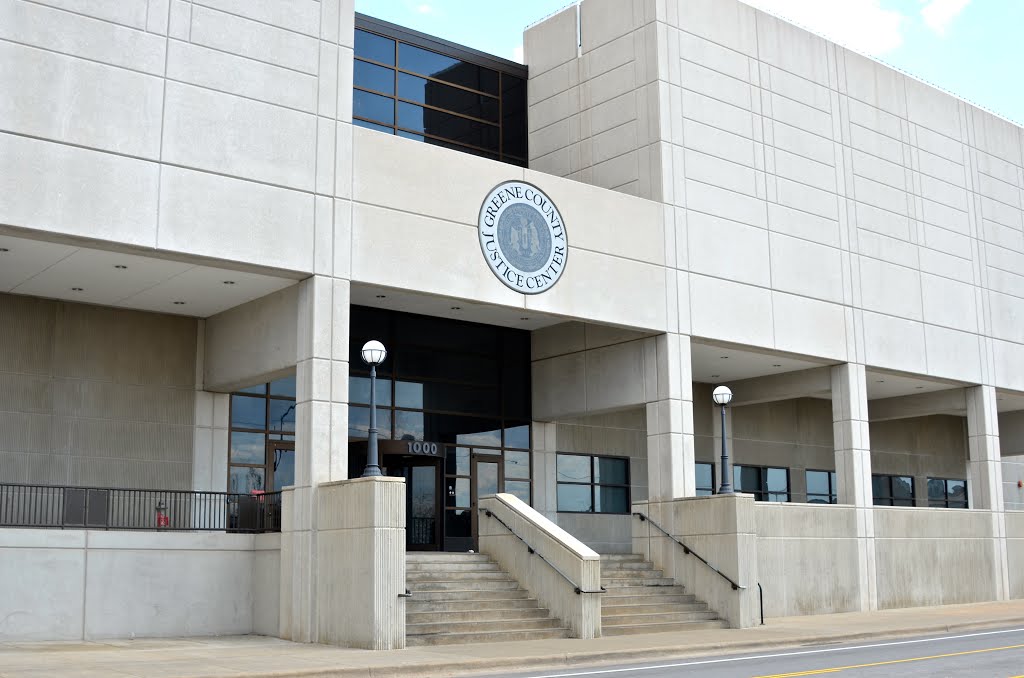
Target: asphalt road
{"type": "Point", "coordinates": [988, 654]}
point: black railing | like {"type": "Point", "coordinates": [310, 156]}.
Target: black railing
{"type": "Point", "coordinates": [690, 552]}
{"type": "Point", "coordinates": [98, 508]}
{"type": "Point", "coordinates": [533, 552]}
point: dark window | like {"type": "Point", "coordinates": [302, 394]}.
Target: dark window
{"type": "Point", "coordinates": [892, 490]}
{"type": "Point", "coordinates": [591, 484]}
{"type": "Point", "coordinates": [821, 487]}
{"type": "Point", "coordinates": [764, 482]}
{"type": "Point", "coordinates": [947, 493]}
{"type": "Point", "coordinates": [261, 415]}
{"type": "Point", "coordinates": [705, 479]}
{"type": "Point", "coordinates": [439, 99]}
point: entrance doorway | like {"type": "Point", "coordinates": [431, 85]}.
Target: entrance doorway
{"type": "Point", "coordinates": [280, 465]}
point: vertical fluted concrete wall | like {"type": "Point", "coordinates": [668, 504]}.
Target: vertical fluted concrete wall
{"type": "Point", "coordinates": [360, 570]}
{"type": "Point", "coordinates": [581, 611]}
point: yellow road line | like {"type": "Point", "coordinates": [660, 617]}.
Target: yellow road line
{"type": "Point", "coordinates": [836, 669]}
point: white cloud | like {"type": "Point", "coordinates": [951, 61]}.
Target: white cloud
{"type": "Point", "coordinates": [424, 9]}
{"type": "Point", "coordinates": [862, 25]}
{"type": "Point", "coordinates": [939, 14]}
{"type": "Point", "coordinates": [517, 54]}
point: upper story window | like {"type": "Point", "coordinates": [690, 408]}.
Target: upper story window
{"type": "Point", "coordinates": [947, 493]}
{"type": "Point", "coordinates": [764, 482]}
{"type": "Point", "coordinates": [892, 490]}
{"type": "Point", "coordinates": [592, 484]}
{"type": "Point", "coordinates": [821, 487]}
{"type": "Point", "coordinates": [704, 474]}
{"type": "Point", "coordinates": [442, 99]}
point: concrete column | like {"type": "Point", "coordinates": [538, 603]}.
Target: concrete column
{"type": "Point", "coordinates": [853, 467]}
{"type": "Point", "coordinates": [985, 475]}
{"type": "Point", "coordinates": [670, 458]}
{"type": "Point", "coordinates": [545, 495]}
{"type": "Point", "coordinates": [321, 444]}
{"type": "Point", "coordinates": [361, 550]}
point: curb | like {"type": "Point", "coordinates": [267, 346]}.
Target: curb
{"type": "Point", "coordinates": [580, 659]}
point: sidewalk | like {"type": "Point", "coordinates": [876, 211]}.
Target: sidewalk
{"type": "Point", "coordinates": [265, 657]}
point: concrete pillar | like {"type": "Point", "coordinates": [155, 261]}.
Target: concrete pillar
{"type": "Point", "coordinates": [321, 443]}
{"type": "Point", "coordinates": [545, 448]}
{"type": "Point", "coordinates": [985, 475]}
{"type": "Point", "coordinates": [670, 458]}
{"type": "Point", "coordinates": [853, 467]}
{"type": "Point", "coordinates": [361, 551]}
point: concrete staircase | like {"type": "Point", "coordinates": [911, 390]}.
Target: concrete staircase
{"type": "Point", "coordinates": [640, 599]}
{"type": "Point", "coordinates": [468, 598]}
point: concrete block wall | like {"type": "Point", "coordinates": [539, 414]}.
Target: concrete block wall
{"type": "Point", "coordinates": [89, 585]}
{"type": "Point", "coordinates": [96, 396]}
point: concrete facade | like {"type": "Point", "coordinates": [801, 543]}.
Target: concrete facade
{"type": "Point", "coordinates": [188, 210]}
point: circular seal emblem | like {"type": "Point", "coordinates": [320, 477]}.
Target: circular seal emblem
{"type": "Point", "coordinates": [522, 237]}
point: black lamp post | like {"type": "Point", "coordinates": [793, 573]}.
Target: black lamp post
{"type": "Point", "coordinates": [723, 396]}
{"type": "Point", "coordinates": [374, 354]}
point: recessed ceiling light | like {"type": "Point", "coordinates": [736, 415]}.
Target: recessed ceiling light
{"type": "Point", "coordinates": [179, 303]}
{"type": "Point", "coordinates": [120, 266]}
{"type": "Point", "coordinates": [776, 365]}
{"type": "Point", "coordinates": [919, 387]}
{"type": "Point", "coordinates": [524, 318]}
{"type": "Point", "coordinates": [229, 282]}
{"type": "Point", "coordinates": [4, 249]}
{"type": "Point", "coordinates": [715, 376]}
{"type": "Point", "coordinates": [724, 357]}
{"type": "Point", "coordinates": [456, 308]}
{"type": "Point", "coordinates": [880, 381]}
{"type": "Point", "coordinates": [76, 289]}
{"type": "Point", "coordinates": [382, 296]}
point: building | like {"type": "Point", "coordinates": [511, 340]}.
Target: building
{"type": "Point", "coordinates": [207, 207]}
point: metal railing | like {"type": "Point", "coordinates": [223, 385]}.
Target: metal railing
{"type": "Point", "coordinates": [98, 508]}
{"type": "Point", "coordinates": [690, 552]}
{"type": "Point", "coordinates": [533, 551]}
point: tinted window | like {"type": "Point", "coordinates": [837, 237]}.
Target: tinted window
{"type": "Point", "coordinates": [705, 479]}
{"type": "Point", "coordinates": [449, 69]}
{"type": "Point", "coordinates": [574, 498]}
{"type": "Point", "coordinates": [573, 468]}
{"type": "Point", "coordinates": [373, 126]}
{"type": "Point", "coordinates": [371, 76]}
{"type": "Point", "coordinates": [438, 123]}
{"type": "Point", "coordinates": [248, 412]}
{"type": "Point", "coordinates": [373, 106]}
{"type": "Point", "coordinates": [513, 115]}
{"type": "Point", "coordinates": [435, 94]}
{"type": "Point", "coordinates": [375, 47]}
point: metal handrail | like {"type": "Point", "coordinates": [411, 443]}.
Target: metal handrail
{"type": "Point", "coordinates": [690, 552]}
{"type": "Point", "coordinates": [533, 551]}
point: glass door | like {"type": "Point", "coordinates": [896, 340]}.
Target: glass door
{"type": "Point", "coordinates": [421, 484]}
{"type": "Point", "coordinates": [280, 464]}
{"type": "Point", "coordinates": [488, 478]}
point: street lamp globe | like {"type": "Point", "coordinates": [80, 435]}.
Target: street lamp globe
{"type": "Point", "coordinates": [374, 352]}
{"type": "Point", "coordinates": [722, 394]}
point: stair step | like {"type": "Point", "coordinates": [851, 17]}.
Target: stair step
{"type": "Point", "coordinates": [611, 600]}
{"type": "Point", "coordinates": [461, 585]}
{"type": "Point", "coordinates": [415, 606]}
{"type": "Point", "coordinates": [468, 595]}
{"type": "Point", "coordinates": [633, 582]}
{"type": "Point", "coordinates": [484, 637]}
{"type": "Point", "coordinates": [652, 608]}
{"type": "Point", "coordinates": [639, 565]}
{"type": "Point", "coordinates": [435, 575]}
{"type": "Point", "coordinates": [430, 566]}
{"type": "Point", "coordinates": [622, 557]}
{"type": "Point", "coordinates": [492, 626]}
{"type": "Point", "coordinates": [441, 557]}
{"type": "Point", "coordinates": [654, 590]}
{"type": "Point", "coordinates": [613, 620]}
{"type": "Point", "coordinates": [494, 614]}
{"type": "Point", "coordinates": [667, 627]}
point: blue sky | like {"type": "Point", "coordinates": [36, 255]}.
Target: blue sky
{"type": "Point", "coordinates": [972, 48]}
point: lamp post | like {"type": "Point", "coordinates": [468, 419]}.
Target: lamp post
{"type": "Point", "coordinates": [723, 396]}
{"type": "Point", "coordinates": [374, 354]}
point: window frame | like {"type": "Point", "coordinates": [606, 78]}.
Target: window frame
{"type": "Point", "coordinates": [891, 498]}
{"type": "Point", "coordinates": [946, 501]}
{"type": "Point", "coordinates": [710, 491]}
{"type": "Point", "coordinates": [595, 484]}
{"type": "Point", "coordinates": [833, 494]}
{"type": "Point", "coordinates": [763, 493]}
{"type": "Point", "coordinates": [269, 434]}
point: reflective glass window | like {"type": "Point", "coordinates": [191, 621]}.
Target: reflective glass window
{"type": "Point", "coordinates": [248, 412]}
{"type": "Point", "coordinates": [520, 488]}
{"type": "Point", "coordinates": [611, 470]}
{"type": "Point", "coordinates": [611, 499]}
{"type": "Point", "coordinates": [439, 95]}
{"type": "Point", "coordinates": [892, 490]}
{"type": "Point", "coordinates": [458, 492]}
{"type": "Point", "coordinates": [705, 476]}
{"type": "Point", "coordinates": [575, 498]}
{"type": "Point", "coordinates": [821, 487]}
{"type": "Point", "coordinates": [285, 387]}
{"type": "Point", "coordinates": [376, 47]}
{"type": "Point", "coordinates": [245, 479]}
{"type": "Point", "coordinates": [373, 106]}
{"type": "Point", "coordinates": [410, 426]}
{"type": "Point", "coordinates": [592, 484]}
{"type": "Point", "coordinates": [517, 464]}
{"type": "Point", "coordinates": [282, 415]}
{"type": "Point", "coordinates": [359, 390]}
{"type": "Point", "coordinates": [258, 389]}
{"type": "Point", "coordinates": [248, 448]}
{"type": "Point", "coordinates": [947, 493]}
{"type": "Point", "coordinates": [440, 124]}
{"type": "Point", "coordinates": [449, 69]}
{"type": "Point", "coordinates": [765, 483]}
{"type": "Point", "coordinates": [573, 468]}
{"type": "Point", "coordinates": [518, 437]}
{"type": "Point", "coordinates": [359, 422]}
{"type": "Point", "coordinates": [372, 125]}
{"type": "Point", "coordinates": [513, 115]}
{"type": "Point", "coordinates": [409, 394]}
{"type": "Point", "coordinates": [458, 461]}
{"type": "Point", "coordinates": [372, 76]}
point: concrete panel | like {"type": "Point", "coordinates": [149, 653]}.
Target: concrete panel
{"type": "Point", "coordinates": [732, 311]}
{"type": "Point", "coordinates": [240, 137]}
{"type": "Point", "coordinates": [894, 343]}
{"type": "Point", "coordinates": [254, 40]}
{"type": "Point", "coordinates": [953, 354]}
{"type": "Point", "coordinates": [77, 192]}
{"type": "Point", "coordinates": [809, 326]}
{"type": "Point", "coordinates": [890, 289]}
{"type": "Point", "coordinates": [42, 592]}
{"type": "Point", "coordinates": [227, 218]}
{"type": "Point", "coordinates": [80, 102]}
{"type": "Point", "coordinates": [728, 249]}
{"type": "Point", "coordinates": [806, 268]}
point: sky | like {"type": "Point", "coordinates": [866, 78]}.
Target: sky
{"type": "Point", "coordinates": [972, 48]}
